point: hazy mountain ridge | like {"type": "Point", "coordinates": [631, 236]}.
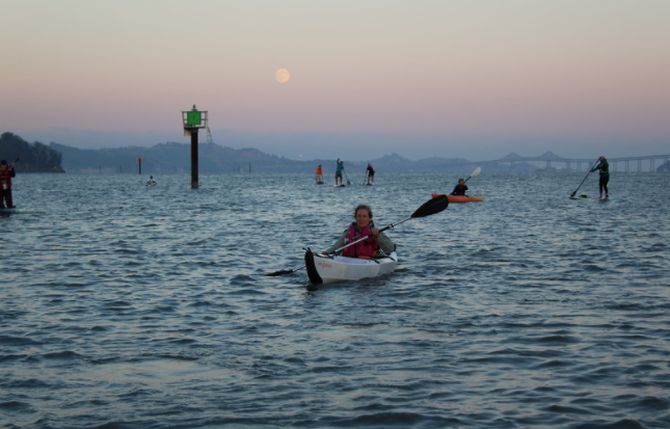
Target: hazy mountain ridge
{"type": "Point", "coordinates": [172, 157]}
{"type": "Point", "coordinates": [165, 158]}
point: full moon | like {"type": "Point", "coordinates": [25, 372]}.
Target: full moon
{"type": "Point", "coordinates": [282, 76]}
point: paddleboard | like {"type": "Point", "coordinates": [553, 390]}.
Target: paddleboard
{"type": "Point", "coordinates": [7, 211]}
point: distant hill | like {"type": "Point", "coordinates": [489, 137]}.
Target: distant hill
{"type": "Point", "coordinates": [168, 158]}
{"type": "Point", "coordinates": [165, 158]}
{"type": "Point", "coordinates": [33, 157]}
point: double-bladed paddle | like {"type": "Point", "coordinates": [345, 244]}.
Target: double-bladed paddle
{"type": "Point", "coordinates": [430, 207]}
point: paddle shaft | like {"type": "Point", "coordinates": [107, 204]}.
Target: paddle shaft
{"type": "Point", "coordinates": [584, 179]}
{"type": "Point", "coordinates": [389, 226]}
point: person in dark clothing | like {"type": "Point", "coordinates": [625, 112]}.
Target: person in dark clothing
{"type": "Point", "coordinates": [339, 169]}
{"type": "Point", "coordinates": [603, 168]}
{"type": "Point", "coordinates": [6, 174]}
{"type": "Point", "coordinates": [461, 188]}
{"type": "Point", "coordinates": [370, 173]}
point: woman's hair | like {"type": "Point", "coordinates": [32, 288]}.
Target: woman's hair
{"type": "Point", "coordinates": [363, 207]}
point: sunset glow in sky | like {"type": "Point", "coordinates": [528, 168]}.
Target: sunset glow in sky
{"type": "Point", "coordinates": [461, 78]}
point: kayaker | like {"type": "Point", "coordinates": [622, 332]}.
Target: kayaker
{"type": "Point", "coordinates": [6, 174]}
{"type": "Point", "coordinates": [339, 169]}
{"type": "Point", "coordinates": [318, 174]}
{"type": "Point", "coordinates": [603, 168]}
{"type": "Point", "coordinates": [460, 188]}
{"type": "Point", "coordinates": [370, 172]}
{"type": "Point", "coordinates": [377, 244]}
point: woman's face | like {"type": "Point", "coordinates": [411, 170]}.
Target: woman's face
{"type": "Point", "coordinates": [362, 218]}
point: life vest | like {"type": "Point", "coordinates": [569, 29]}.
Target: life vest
{"type": "Point", "coordinates": [318, 171]}
{"type": "Point", "coordinates": [6, 178]}
{"type": "Point", "coordinates": [364, 249]}
{"type": "Point", "coordinates": [604, 168]}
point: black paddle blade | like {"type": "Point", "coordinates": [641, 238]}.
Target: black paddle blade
{"type": "Point", "coordinates": [312, 273]}
{"type": "Point", "coordinates": [432, 206]}
{"type": "Point", "coordinates": [284, 272]}
{"type": "Point", "coordinates": [279, 273]}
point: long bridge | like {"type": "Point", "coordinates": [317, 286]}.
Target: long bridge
{"type": "Point", "coordinates": [551, 160]}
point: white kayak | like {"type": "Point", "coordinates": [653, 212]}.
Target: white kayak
{"type": "Point", "coordinates": [328, 268]}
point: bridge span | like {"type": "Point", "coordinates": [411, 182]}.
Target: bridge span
{"type": "Point", "coordinates": [551, 160]}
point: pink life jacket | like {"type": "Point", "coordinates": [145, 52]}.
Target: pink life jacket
{"type": "Point", "coordinates": [364, 249]}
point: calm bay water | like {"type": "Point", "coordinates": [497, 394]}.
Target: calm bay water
{"type": "Point", "coordinates": [132, 307]}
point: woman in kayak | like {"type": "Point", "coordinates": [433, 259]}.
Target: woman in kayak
{"type": "Point", "coordinates": [604, 168]}
{"type": "Point", "coordinates": [377, 243]}
{"type": "Point", "coordinates": [460, 189]}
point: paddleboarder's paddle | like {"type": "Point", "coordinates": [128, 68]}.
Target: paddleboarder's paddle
{"type": "Point", "coordinates": [430, 207]}
{"type": "Point", "coordinates": [572, 196]}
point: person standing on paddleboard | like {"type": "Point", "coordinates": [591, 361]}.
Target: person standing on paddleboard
{"type": "Point", "coordinates": [363, 226]}
{"type": "Point", "coordinates": [318, 174]}
{"type": "Point", "coordinates": [603, 168]}
{"type": "Point", "coordinates": [370, 172]}
{"type": "Point", "coordinates": [6, 174]}
{"type": "Point", "coordinates": [460, 188]}
{"type": "Point", "coordinates": [339, 169]}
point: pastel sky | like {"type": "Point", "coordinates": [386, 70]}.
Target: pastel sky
{"type": "Point", "coordinates": [451, 78]}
